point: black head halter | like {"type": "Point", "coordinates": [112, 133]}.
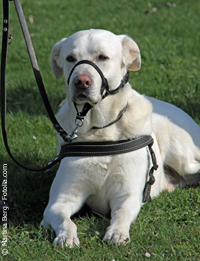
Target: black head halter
{"type": "Point", "coordinates": [104, 93]}
{"type": "Point", "coordinates": [104, 85]}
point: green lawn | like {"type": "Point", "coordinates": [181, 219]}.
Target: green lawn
{"type": "Point", "coordinates": [168, 37]}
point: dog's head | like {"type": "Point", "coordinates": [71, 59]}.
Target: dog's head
{"type": "Point", "coordinates": [113, 54]}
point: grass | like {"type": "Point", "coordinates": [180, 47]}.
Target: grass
{"type": "Point", "coordinates": [168, 228]}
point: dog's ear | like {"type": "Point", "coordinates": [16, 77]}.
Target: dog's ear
{"type": "Point", "coordinates": [55, 59]}
{"type": "Point", "coordinates": [131, 53]}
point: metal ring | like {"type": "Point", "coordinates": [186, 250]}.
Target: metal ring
{"type": "Point", "coordinates": [11, 39]}
{"type": "Point", "coordinates": [80, 123]}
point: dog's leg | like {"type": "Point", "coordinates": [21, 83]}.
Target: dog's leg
{"type": "Point", "coordinates": [57, 216]}
{"type": "Point", "coordinates": [126, 197]}
{"type": "Point", "coordinates": [68, 193]}
{"type": "Point", "coordinates": [66, 231]}
{"type": "Point", "coordinates": [123, 214]}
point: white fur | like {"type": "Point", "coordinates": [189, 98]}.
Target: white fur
{"type": "Point", "coordinates": [114, 183]}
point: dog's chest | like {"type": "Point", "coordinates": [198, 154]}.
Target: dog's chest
{"type": "Point", "coordinates": [104, 177]}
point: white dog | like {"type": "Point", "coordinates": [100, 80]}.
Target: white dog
{"type": "Point", "coordinates": [114, 183]}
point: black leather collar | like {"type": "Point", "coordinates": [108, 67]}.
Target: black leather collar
{"type": "Point", "coordinates": [113, 122]}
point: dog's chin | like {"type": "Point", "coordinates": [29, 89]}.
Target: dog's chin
{"type": "Point", "coordinates": [82, 99]}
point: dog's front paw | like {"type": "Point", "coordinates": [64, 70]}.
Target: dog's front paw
{"type": "Point", "coordinates": [117, 237]}
{"type": "Point", "coordinates": [65, 239]}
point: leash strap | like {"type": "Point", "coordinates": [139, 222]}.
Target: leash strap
{"type": "Point", "coordinates": [36, 71]}
{"type": "Point", "coordinates": [150, 182]}
{"type": "Point", "coordinates": [3, 90]}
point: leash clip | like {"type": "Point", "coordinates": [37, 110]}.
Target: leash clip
{"type": "Point", "coordinates": [79, 123]}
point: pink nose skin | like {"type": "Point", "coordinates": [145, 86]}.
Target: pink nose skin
{"type": "Point", "coordinates": [82, 81]}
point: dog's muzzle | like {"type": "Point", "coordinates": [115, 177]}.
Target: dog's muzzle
{"type": "Point", "coordinates": [104, 86]}
{"type": "Point", "coordinates": [104, 92]}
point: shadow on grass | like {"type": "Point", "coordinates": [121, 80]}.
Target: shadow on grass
{"type": "Point", "coordinates": [28, 99]}
{"type": "Point", "coordinates": [28, 193]}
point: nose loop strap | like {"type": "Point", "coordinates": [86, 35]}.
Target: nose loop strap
{"type": "Point", "coordinates": [104, 80]}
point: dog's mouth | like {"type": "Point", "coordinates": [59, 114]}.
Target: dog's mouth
{"type": "Point", "coordinates": [83, 98]}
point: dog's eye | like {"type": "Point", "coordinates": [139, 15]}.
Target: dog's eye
{"type": "Point", "coordinates": [103, 57]}
{"type": "Point", "coordinates": [70, 59]}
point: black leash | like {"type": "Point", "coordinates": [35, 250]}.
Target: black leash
{"type": "Point", "coordinates": [3, 90]}
{"type": "Point", "coordinates": [79, 149]}
{"type": "Point", "coordinates": [66, 137]}
{"type": "Point", "coordinates": [36, 70]}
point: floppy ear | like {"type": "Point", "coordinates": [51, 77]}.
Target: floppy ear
{"type": "Point", "coordinates": [131, 53]}
{"type": "Point", "coordinates": [55, 59]}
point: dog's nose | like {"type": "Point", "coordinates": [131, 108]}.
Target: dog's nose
{"type": "Point", "coordinates": [82, 81]}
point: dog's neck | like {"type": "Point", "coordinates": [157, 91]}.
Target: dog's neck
{"type": "Point", "coordinates": [136, 119]}
{"type": "Point", "coordinates": [105, 112]}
